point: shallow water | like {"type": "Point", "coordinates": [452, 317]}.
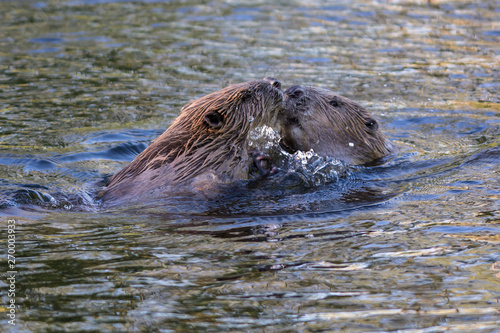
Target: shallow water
{"type": "Point", "coordinates": [408, 244]}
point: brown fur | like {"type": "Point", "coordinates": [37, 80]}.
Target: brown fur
{"type": "Point", "coordinates": [331, 125]}
{"type": "Point", "coordinates": [209, 136]}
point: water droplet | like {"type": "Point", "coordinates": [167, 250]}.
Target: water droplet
{"type": "Point", "coordinates": [250, 119]}
{"type": "Point", "coordinates": [351, 144]}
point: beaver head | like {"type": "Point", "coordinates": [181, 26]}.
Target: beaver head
{"type": "Point", "coordinates": [331, 125]}
{"type": "Point", "coordinates": [210, 135]}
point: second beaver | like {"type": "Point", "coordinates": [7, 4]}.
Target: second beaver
{"type": "Point", "coordinates": [330, 125]}
{"type": "Point", "coordinates": [207, 143]}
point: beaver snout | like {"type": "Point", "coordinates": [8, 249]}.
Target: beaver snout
{"type": "Point", "coordinates": [272, 81]}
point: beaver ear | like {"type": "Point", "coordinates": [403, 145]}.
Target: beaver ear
{"type": "Point", "coordinates": [213, 119]}
{"type": "Point", "coordinates": [295, 92]}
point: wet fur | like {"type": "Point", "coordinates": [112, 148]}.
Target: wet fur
{"type": "Point", "coordinates": [208, 141]}
{"type": "Point", "coordinates": [331, 125]}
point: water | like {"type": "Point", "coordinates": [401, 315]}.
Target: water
{"type": "Point", "coordinates": [408, 244]}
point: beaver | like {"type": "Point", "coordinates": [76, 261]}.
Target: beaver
{"type": "Point", "coordinates": [330, 125]}
{"type": "Point", "coordinates": [206, 143]}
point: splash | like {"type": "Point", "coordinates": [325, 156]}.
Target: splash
{"type": "Point", "coordinates": [316, 169]}
{"type": "Point", "coordinates": [264, 138]}
{"type": "Point", "coordinates": [312, 168]}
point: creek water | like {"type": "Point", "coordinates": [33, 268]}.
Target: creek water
{"type": "Point", "coordinates": [409, 244]}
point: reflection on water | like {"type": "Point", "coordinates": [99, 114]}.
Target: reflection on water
{"type": "Point", "coordinates": [408, 244]}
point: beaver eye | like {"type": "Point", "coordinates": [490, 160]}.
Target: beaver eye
{"type": "Point", "coordinates": [372, 124]}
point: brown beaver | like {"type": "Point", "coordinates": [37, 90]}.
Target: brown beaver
{"type": "Point", "coordinates": [206, 144]}
{"type": "Point", "coordinates": [331, 125]}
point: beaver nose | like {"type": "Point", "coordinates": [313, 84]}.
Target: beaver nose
{"type": "Point", "coordinates": [295, 92]}
{"type": "Point", "coordinates": [272, 81]}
